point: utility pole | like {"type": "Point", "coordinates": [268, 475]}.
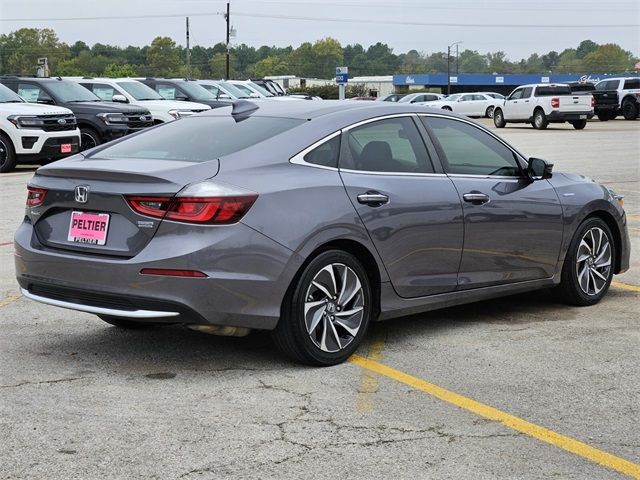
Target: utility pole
{"type": "Point", "coordinates": [188, 52]}
{"type": "Point", "coordinates": [457, 60]}
{"type": "Point", "coordinates": [228, 19]}
{"type": "Point", "coordinates": [449, 70]}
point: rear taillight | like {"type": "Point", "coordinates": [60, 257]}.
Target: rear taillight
{"type": "Point", "coordinates": [194, 204]}
{"type": "Point", "coordinates": [555, 102]}
{"type": "Point", "coordinates": [593, 101]}
{"type": "Point", "coordinates": [35, 196]}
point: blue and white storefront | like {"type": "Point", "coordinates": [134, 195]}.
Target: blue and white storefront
{"type": "Point", "coordinates": [501, 83]}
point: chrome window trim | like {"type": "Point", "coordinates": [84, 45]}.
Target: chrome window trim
{"type": "Point", "coordinates": [519, 155]}
{"type": "Point", "coordinates": [376, 119]}
{"type": "Point", "coordinates": [400, 174]}
{"type": "Point", "coordinates": [298, 158]}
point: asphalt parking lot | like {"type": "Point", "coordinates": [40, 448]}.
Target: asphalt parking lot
{"type": "Point", "coordinates": [517, 388]}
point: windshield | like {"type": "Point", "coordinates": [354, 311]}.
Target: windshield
{"type": "Point", "coordinates": [233, 90]}
{"type": "Point", "coordinates": [9, 96]}
{"type": "Point", "coordinates": [140, 91]}
{"type": "Point", "coordinates": [196, 92]}
{"type": "Point", "coordinates": [199, 139]}
{"type": "Point", "coordinates": [71, 92]}
{"type": "Point", "coordinates": [261, 90]}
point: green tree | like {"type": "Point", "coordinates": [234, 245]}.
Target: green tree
{"type": "Point", "coordinates": [116, 70]}
{"type": "Point", "coordinates": [163, 58]}
{"type": "Point", "coordinates": [608, 58]}
{"type": "Point", "coordinates": [472, 62]}
{"type": "Point", "coordinates": [585, 48]}
{"type": "Point", "coordinates": [327, 55]}
{"type": "Point", "coordinates": [270, 66]}
{"type": "Point", "coordinates": [20, 50]}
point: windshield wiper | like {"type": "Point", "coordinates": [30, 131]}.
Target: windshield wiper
{"type": "Point", "coordinates": [12, 101]}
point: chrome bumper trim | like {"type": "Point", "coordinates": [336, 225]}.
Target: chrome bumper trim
{"type": "Point", "coordinates": [99, 310]}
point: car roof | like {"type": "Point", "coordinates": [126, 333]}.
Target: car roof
{"type": "Point", "coordinates": [310, 109]}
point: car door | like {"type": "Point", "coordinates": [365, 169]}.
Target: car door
{"type": "Point", "coordinates": [481, 103]}
{"type": "Point", "coordinates": [513, 226]}
{"type": "Point", "coordinates": [511, 104]}
{"type": "Point", "coordinates": [464, 105]}
{"type": "Point", "coordinates": [410, 209]}
{"type": "Point", "coordinates": [525, 106]}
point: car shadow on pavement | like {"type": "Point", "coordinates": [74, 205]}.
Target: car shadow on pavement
{"type": "Point", "coordinates": [176, 349]}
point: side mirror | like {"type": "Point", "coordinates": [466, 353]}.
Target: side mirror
{"type": "Point", "coordinates": [46, 101]}
{"type": "Point", "coordinates": [224, 96]}
{"type": "Point", "coordinates": [181, 97]}
{"type": "Point", "coordinates": [119, 98]}
{"type": "Point", "coordinates": [254, 95]}
{"type": "Point", "coordinates": [539, 169]}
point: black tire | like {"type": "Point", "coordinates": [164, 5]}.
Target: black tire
{"type": "Point", "coordinates": [540, 121]}
{"type": "Point", "coordinates": [128, 324]}
{"type": "Point", "coordinates": [498, 118]}
{"type": "Point", "coordinates": [489, 112]}
{"type": "Point", "coordinates": [604, 117]}
{"type": "Point", "coordinates": [291, 335]}
{"type": "Point", "coordinates": [630, 109]}
{"type": "Point", "coordinates": [89, 138]}
{"type": "Point", "coordinates": [569, 290]}
{"type": "Point", "coordinates": [8, 158]}
{"type": "Point", "coordinates": [578, 124]}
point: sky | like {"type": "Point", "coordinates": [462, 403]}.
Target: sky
{"type": "Point", "coordinates": [516, 27]}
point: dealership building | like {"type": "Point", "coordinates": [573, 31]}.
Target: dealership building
{"type": "Point", "coordinates": [500, 83]}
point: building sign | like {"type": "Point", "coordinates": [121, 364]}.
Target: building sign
{"type": "Point", "coordinates": [544, 79]}
{"type": "Point", "coordinates": [453, 79]}
{"type": "Point", "coordinates": [499, 79]}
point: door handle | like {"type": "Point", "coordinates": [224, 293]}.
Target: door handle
{"type": "Point", "coordinates": [373, 198]}
{"type": "Point", "coordinates": [476, 198]}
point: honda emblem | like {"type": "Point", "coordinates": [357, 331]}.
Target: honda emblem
{"type": "Point", "coordinates": [82, 193]}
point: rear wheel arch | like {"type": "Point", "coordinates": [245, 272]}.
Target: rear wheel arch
{"type": "Point", "coordinates": [360, 252]}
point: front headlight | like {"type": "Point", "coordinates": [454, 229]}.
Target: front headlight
{"type": "Point", "coordinates": [26, 122]}
{"type": "Point", "coordinates": [619, 199]}
{"type": "Point", "coordinates": [113, 118]}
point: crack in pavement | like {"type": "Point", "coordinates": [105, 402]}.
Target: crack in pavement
{"type": "Point", "coordinates": [58, 380]}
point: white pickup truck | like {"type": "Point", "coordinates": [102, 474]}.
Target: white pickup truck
{"type": "Point", "coordinates": [618, 95]}
{"type": "Point", "coordinates": [33, 133]}
{"type": "Point", "coordinates": [542, 104]}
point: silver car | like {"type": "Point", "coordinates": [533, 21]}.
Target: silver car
{"type": "Point", "coordinates": [310, 220]}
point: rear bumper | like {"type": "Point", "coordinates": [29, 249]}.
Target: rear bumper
{"type": "Point", "coordinates": [247, 277]}
{"type": "Point", "coordinates": [556, 116]}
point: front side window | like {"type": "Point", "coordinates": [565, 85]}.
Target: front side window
{"type": "Point", "coordinates": [466, 98]}
{"type": "Point", "coordinates": [469, 150]}
{"type": "Point", "coordinates": [325, 155]}
{"type": "Point", "coordinates": [390, 145]}
{"type": "Point", "coordinates": [33, 93]}
{"type": "Point", "coordinates": [517, 94]}
{"type": "Point", "coordinates": [526, 93]}
{"type": "Point", "coordinates": [104, 92]}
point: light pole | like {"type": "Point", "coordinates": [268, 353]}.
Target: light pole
{"type": "Point", "coordinates": [228, 19]}
{"type": "Point", "coordinates": [449, 65]}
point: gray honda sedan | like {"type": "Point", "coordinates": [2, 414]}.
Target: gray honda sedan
{"type": "Point", "coordinates": [312, 220]}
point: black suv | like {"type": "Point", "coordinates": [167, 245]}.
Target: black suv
{"type": "Point", "coordinates": [98, 121]}
{"type": "Point", "coordinates": [187, 90]}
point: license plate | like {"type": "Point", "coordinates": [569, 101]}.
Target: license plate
{"type": "Point", "coordinates": [90, 228]}
{"type": "Point", "coordinates": [583, 117]}
{"type": "Point", "coordinates": [65, 148]}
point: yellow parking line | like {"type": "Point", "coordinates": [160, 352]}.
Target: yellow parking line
{"type": "Point", "coordinates": [369, 381]}
{"type": "Point", "coordinates": [633, 216]}
{"type": "Point", "coordinates": [9, 299]}
{"type": "Point", "coordinates": [626, 286]}
{"type": "Point", "coordinates": [531, 429]}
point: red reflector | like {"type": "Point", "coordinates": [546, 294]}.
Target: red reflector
{"type": "Point", "coordinates": [35, 196]}
{"type": "Point", "coordinates": [593, 102]}
{"type": "Point", "coordinates": [167, 272]}
{"type": "Point", "coordinates": [555, 102]}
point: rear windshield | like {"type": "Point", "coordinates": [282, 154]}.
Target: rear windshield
{"type": "Point", "coordinates": [633, 83]}
{"type": "Point", "coordinates": [550, 90]}
{"type": "Point", "coordinates": [199, 138]}
{"type": "Point", "coordinates": [583, 87]}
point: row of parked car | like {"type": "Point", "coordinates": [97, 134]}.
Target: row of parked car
{"type": "Point", "coordinates": [541, 104]}
{"type": "Point", "coordinates": [45, 119]}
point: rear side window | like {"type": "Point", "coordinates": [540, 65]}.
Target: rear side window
{"type": "Point", "coordinates": [632, 83]}
{"type": "Point", "coordinates": [198, 139]}
{"type": "Point", "coordinates": [325, 155]}
{"type": "Point", "coordinates": [470, 150]}
{"type": "Point", "coordinates": [551, 90]}
{"type": "Point", "coordinates": [390, 145]}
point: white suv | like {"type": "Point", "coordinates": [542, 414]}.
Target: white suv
{"type": "Point", "coordinates": [34, 133]}
{"type": "Point", "coordinates": [133, 92]}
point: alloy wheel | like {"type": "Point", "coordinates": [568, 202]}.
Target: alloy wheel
{"type": "Point", "coordinates": [593, 261]}
{"type": "Point", "coordinates": [4, 154]}
{"type": "Point", "coordinates": [334, 307]}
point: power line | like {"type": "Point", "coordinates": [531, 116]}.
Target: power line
{"type": "Point", "coordinates": [324, 19]}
